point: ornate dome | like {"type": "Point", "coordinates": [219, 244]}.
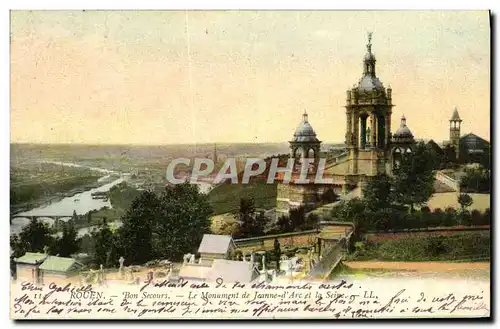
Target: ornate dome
{"type": "Point", "coordinates": [369, 83]}
{"type": "Point", "coordinates": [305, 132]}
{"type": "Point", "coordinates": [369, 80]}
{"type": "Point", "coordinates": [403, 130]}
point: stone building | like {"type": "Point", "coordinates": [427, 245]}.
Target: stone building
{"type": "Point", "coordinates": [214, 246]}
{"type": "Point", "coordinates": [28, 267]}
{"type": "Point", "coordinates": [56, 268]}
{"type": "Point", "coordinates": [304, 146]}
{"type": "Point", "coordinates": [370, 147]}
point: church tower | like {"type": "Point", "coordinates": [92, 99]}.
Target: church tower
{"type": "Point", "coordinates": [455, 122]}
{"type": "Point", "coordinates": [368, 113]}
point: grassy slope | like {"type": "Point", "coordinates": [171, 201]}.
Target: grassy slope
{"type": "Point", "coordinates": [226, 198]}
{"type": "Point", "coordinates": [444, 200]}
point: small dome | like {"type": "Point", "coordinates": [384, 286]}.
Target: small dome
{"type": "Point", "coordinates": [305, 132]}
{"type": "Point", "coordinates": [403, 130]}
{"type": "Point", "coordinates": [369, 83]}
{"type": "Point", "coordinates": [369, 57]}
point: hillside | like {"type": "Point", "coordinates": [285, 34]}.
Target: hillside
{"type": "Point", "coordinates": [226, 197]}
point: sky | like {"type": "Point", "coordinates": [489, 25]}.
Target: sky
{"type": "Point", "coordinates": [169, 77]}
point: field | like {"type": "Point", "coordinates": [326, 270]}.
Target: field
{"type": "Point", "coordinates": [36, 182]}
{"type": "Point", "coordinates": [447, 269]}
{"type": "Point", "coordinates": [444, 200]}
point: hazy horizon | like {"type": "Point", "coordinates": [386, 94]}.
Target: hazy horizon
{"type": "Point", "coordinates": [203, 77]}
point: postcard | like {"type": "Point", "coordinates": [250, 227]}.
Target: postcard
{"type": "Point", "coordinates": [250, 164]}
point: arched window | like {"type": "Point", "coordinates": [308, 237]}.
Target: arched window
{"type": "Point", "coordinates": [396, 157]}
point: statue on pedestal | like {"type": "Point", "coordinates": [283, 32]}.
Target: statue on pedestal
{"type": "Point", "coordinates": [121, 261]}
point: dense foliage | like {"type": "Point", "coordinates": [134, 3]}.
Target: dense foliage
{"type": "Point", "coordinates": [476, 180]}
{"type": "Point", "coordinates": [413, 182]}
{"type": "Point", "coordinates": [459, 247]}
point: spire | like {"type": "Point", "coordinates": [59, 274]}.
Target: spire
{"type": "Point", "coordinates": [455, 116]}
{"type": "Point", "coordinates": [304, 117]}
{"type": "Point", "coordinates": [369, 60]}
{"type": "Point", "coordinates": [403, 121]}
{"type": "Point", "coordinates": [215, 153]}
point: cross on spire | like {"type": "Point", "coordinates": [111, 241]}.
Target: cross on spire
{"type": "Point", "coordinates": [369, 45]}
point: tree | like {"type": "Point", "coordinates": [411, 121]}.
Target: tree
{"type": "Point", "coordinates": [311, 222]}
{"type": "Point", "coordinates": [103, 244]}
{"type": "Point", "coordinates": [17, 246]}
{"type": "Point", "coordinates": [465, 201]}
{"type": "Point", "coordinates": [329, 196]}
{"type": "Point", "coordinates": [246, 208]}
{"type": "Point", "coordinates": [253, 225]}
{"type": "Point", "coordinates": [377, 193]}
{"type": "Point", "coordinates": [137, 230]}
{"type": "Point", "coordinates": [414, 178]}
{"type": "Point", "coordinates": [68, 243]}
{"type": "Point", "coordinates": [35, 236]}
{"type": "Point", "coordinates": [283, 224]}
{"type": "Point", "coordinates": [277, 251]}
{"type": "Point", "coordinates": [229, 228]}
{"type": "Point", "coordinates": [297, 218]}
{"type": "Point", "coordinates": [183, 218]}
{"type": "Point", "coordinates": [476, 180]}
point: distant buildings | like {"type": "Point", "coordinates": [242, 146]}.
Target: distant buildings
{"type": "Point", "coordinates": [469, 148]}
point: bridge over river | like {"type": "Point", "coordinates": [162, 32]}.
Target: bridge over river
{"type": "Point", "coordinates": [53, 217]}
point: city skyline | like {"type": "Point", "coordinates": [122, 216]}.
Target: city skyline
{"type": "Point", "coordinates": [153, 78]}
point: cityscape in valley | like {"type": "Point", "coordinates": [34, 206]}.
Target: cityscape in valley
{"type": "Point", "coordinates": [392, 203]}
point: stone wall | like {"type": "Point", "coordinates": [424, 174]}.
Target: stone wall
{"type": "Point", "coordinates": [290, 196]}
{"type": "Point", "coordinates": [306, 238]}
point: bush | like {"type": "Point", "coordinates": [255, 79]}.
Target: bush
{"type": "Point", "coordinates": [469, 246]}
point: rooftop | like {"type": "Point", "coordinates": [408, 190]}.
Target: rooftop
{"type": "Point", "coordinates": [232, 271]}
{"type": "Point", "coordinates": [455, 116]}
{"type": "Point", "coordinates": [215, 244]}
{"type": "Point", "coordinates": [33, 258]}
{"type": "Point", "coordinates": [60, 264]}
{"type": "Point", "coordinates": [194, 272]}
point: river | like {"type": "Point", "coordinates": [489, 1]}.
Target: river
{"type": "Point", "coordinates": [81, 203]}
